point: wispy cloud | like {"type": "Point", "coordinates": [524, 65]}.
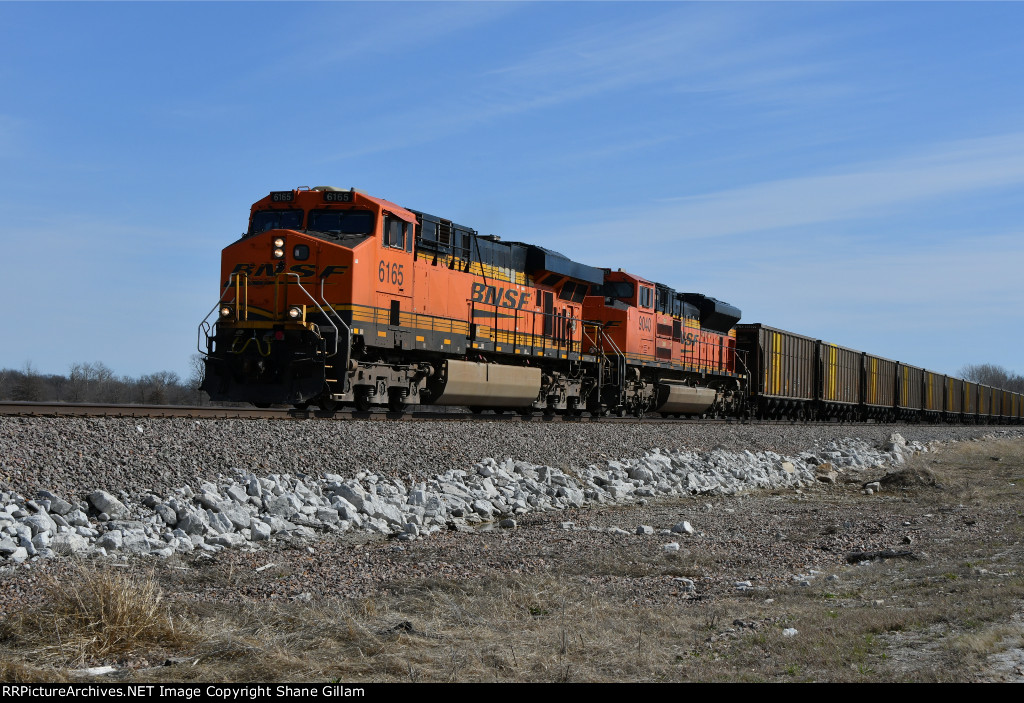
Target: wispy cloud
{"type": "Point", "coordinates": [859, 191]}
{"type": "Point", "coordinates": [687, 50]}
{"type": "Point", "coordinates": [335, 39]}
{"type": "Point", "coordinates": [690, 50]}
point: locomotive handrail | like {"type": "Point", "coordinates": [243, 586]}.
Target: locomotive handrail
{"type": "Point", "coordinates": [620, 370]}
{"type": "Point", "coordinates": [298, 282]}
{"type": "Point", "coordinates": [204, 322]}
{"type": "Point", "coordinates": [620, 358]}
{"type": "Point", "coordinates": [348, 330]}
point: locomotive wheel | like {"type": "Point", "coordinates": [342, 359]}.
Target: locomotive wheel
{"type": "Point", "coordinates": [327, 403]}
{"type": "Point", "coordinates": [304, 405]}
{"type": "Point", "coordinates": [396, 403]}
{"type": "Point", "coordinates": [363, 401]}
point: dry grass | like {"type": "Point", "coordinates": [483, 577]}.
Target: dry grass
{"type": "Point", "coordinates": [98, 615]}
{"type": "Point", "coordinates": [552, 629]}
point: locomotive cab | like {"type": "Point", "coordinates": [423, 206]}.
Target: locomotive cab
{"type": "Point", "coordinates": [280, 335]}
{"type": "Point", "coordinates": [675, 366]}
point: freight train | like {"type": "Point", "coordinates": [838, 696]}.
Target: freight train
{"type": "Point", "coordinates": [336, 298]}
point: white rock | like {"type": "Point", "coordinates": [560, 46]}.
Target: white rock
{"type": "Point", "coordinates": [260, 531]}
{"type": "Point", "coordinates": [228, 539]}
{"type": "Point", "coordinates": [40, 523]}
{"type": "Point", "coordinates": [218, 522]}
{"type": "Point", "coordinates": [106, 503]}
{"type": "Point", "coordinates": [683, 528]}
{"type": "Point", "coordinates": [110, 540]}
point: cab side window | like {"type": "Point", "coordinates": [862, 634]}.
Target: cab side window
{"type": "Point", "coordinates": [646, 297]}
{"type": "Point", "coordinates": [396, 232]}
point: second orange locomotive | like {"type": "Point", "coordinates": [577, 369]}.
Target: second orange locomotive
{"type": "Point", "coordinates": [337, 297]}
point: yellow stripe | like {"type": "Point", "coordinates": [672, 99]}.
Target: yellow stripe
{"type": "Point", "coordinates": [494, 273]}
{"type": "Point", "coordinates": [832, 372]}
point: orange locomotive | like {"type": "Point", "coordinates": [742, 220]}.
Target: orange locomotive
{"type": "Point", "coordinates": [337, 297]}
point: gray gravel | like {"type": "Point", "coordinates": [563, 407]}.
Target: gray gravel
{"type": "Point", "coordinates": [74, 456]}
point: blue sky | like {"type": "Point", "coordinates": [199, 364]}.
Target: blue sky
{"type": "Point", "coordinates": [853, 172]}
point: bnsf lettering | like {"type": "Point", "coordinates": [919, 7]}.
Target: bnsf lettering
{"type": "Point", "coordinates": [304, 270]}
{"type": "Point", "coordinates": [501, 297]}
{"type": "Point", "coordinates": [689, 339]}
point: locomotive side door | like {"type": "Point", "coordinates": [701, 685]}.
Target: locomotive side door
{"type": "Point", "coordinates": [395, 277]}
{"type": "Point", "coordinates": [645, 320]}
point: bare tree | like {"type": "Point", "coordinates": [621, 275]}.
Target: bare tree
{"type": "Point", "coordinates": [6, 383]}
{"type": "Point", "coordinates": [29, 387]}
{"type": "Point", "coordinates": [58, 383]}
{"type": "Point", "coordinates": [197, 368]}
{"type": "Point", "coordinates": [92, 381]}
{"type": "Point", "coordinates": [157, 387]}
{"type": "Point", "coordinates": [993, 375]}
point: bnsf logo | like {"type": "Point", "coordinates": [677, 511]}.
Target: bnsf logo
{"type": "Point", "coordinates": [505, 298]}
{"type": "Point", "coordinates": [304, 270]}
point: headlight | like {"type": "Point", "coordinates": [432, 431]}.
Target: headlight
{"type": "Point", "coordinates": [225, 311]}
{"type": "Point", "coordinates": [295, 312]}
{"type": "Point", "coordinates": [278, 253]}
{"type": "Point", "coordinates": [279, 243]}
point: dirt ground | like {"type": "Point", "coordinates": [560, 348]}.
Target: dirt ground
{"type": "Point", "coordinates": [922, 581]}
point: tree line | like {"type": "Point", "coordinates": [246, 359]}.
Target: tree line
{"type": "Point", "coordinates": [95, 382]}
{"type": "Point", "coordinates": [992, 375]}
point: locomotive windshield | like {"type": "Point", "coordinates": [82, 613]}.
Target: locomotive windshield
{"type": "Point", "coordinates": [341, 221]}
{"type": "Point", "coordinates": [275, 219]}
{"type": "Point", "coordinates": [623, 290]}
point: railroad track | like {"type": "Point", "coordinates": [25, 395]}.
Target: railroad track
{"type": "Point", "coordinates": [27, 409]}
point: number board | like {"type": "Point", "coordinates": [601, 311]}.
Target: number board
{"type": "Point", "coordinates": [282, 196]}
{"type": "Point", "coordinates": [338, 196]}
